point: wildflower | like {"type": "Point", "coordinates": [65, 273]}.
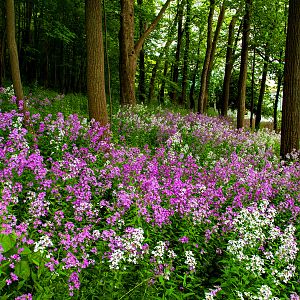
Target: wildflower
{"type": "Point", "coordinates": [190, 260]}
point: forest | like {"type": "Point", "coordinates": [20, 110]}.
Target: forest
{"type": "Point", "coordinates": [149, 149]}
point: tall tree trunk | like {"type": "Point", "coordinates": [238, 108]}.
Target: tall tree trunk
{"type": "Point", "coordinates": [142, 72]}
{"type": "Point", "coordinates": [127, 54]}
{"type": "Point", "coordinates": [243, 68]}
{"type": "Point", "coordinates": [290, 126]}
{"type": "Point", "coordinates": [2, 42]}
{"type": "Point", "coordinates": [152, 81]}
{"type": "Point", "coordinates": [129, 51]}
{"type": "Point", "coordinates": [262, 88]}
{"type": "Point", "coordinates": [95, 62]}
{"type": "Point", "coordinates": [205, 68]}
{"type": "Point", "coordinates": [13, 52]}
{"type": "Point", "coordinates": [26, 41]}
{"type": "Point", "coordinates": [1, 60]}
{"type": "Point", "coordinates": [183, 99]}
{"type": "Point", "coordinates": [163, 84]}
{"type": "Point", "coordinates": [174, 93]}
{"type": "Point", "coordinates": [279, 83]}
{"type": "Point", "coordinates": [195, 72]}
{"type": "Point", "coordinates": [228, 67]}
{"type": "Point", "coordinates": [252, 88]}
{"type": "Point", "coordinates": [193, 85]}
{"type": "Point", "coordinates": [212, 53]}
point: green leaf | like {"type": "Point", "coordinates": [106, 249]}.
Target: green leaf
{"type": "Point", "coordinates": [26, 251]}
{"type": "Point", "coordinates": [169, 291]}
{"type": "Point", "coordinates": [22, 269]}
{"type": "Point", "coordinates": [21, 284]}
{"type": "Point", "coordinates": [7, 241]}
{"type": "Point", "coordinates": [161, 280]}
{"type": "Point", "coordinates": [35, 258]}
{"type": "Point", "coordinates": [2, 284]}
{"type": "Point", "coordinates": [187, 295]}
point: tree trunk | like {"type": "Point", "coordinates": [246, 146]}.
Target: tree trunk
{"type": "Point", "coordinates": [262, 88]}
{"type": "Point", "coordinates": [26, 41]}
{"type": "Point", "coordinates": [163, 84]}
{"type": "Point", "coordinates": [212, 53]}
{"type": "Point", "coordinates": [13, 52]}
{"type": "Point", "coordinates": [95, 62]}
{"type": "Point", "coordinates": [243, 68]}
{"type": "Point", "coordinates": [205, 68]}
{"type": "Point", "coordinates": [142, 73]}
{"type": "Point", "coordinates": [1, 61]}
{"type": "Point", "coordinates": [195, 72]}
{"type": "Point", "coordinates": [174, 93]}
{"type": "Point", "coordinates": [279, 83]}
{"type": "Point", "coordinates": [129, 51]}
{"type": "Point", "coordinates": [183, 99]}
{"type": "Point", "coordinates": [152, 81]}
{"type": "Point", "coordinates": [127, 54]}
{"type": "Point", "coordinates": [228, 67]}
{"type": "Point", "coordinates": [290, 126]}
{"type": "Point", "coordinates": [2, 43]}
{"type": "Point", "coordinates": [252, 88]}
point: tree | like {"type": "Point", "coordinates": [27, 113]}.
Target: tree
{"type": "Point", "coordinates": [279, 75]}
{"type": "Point", "coordinates": [2, 42]}
{"type": "Point", "coordinates": [95, 62]}
{"type": "Point", "coordinates": [205, 67]}
{"type": "Point", "coordinates": [228, 65]}
{"type": "Point", "coordinates": [142, 73]}
{"type": "Point", "coordinates": [262, 87]}
{"type": "Point", "coordinates": [186, 54]}
{"type": "Point", "coordinates": [210, 54]}
{"type": "Point", "coordinates": [129, 51]}
{"type": "Point", "coordinates": [243, 67]}
{"type": "Point", "coordinates": [175, 69]}
{"type": "Point", "coordinates": [13, 52]}
{"type": "Point", "coordinates": [163, 54]}
{"type": "Point", "coordinates": [290, 125]}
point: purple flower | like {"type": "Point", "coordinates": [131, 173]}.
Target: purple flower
{"type": "Point", "coordinates": [184, 240]}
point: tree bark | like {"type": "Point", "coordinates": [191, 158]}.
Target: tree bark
{"type": "Point", "coordinates": [290, 126]}
{"type": "Point", "coordinates": [212, 53]}
{"type": "Point", "coordinates": [252, 87]}
{"type": "Point", "coordinates": [205, 68]}
{"type": "Point", "coordinates": [163, 84]}
{"type": "Point", "coordinates": [174, 93]}
{"type": "Point", "coordinates": [95, 62]}
{"type": "Point", "coordinates": [279, 83]}
{"type": "Point", "coordinates": [243, 68]}
{"type": "Point", "coordinates": [1, 61]}
{"type": "Point", "coordinates": [183, 97]}
{"type": "Point", "coordinates": [13, 52]}
{"type": "Point", "coordinates": [262, 88]}
{"type": "Point", "coordinates": [228, 67]}
{"type": "Point", "coordinates": [195, 72]}
{"type": "Point", "coordinates": [129, 51]}
{"type": "Point", "coordinates": [142, 73]}
{"type": "Point", "coordinates": [2, 42]}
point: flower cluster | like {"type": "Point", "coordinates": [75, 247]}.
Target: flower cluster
{"type": "Point", "coordinates": [73, 200]}
{"type": "Point", "coordinates": [263, 248]}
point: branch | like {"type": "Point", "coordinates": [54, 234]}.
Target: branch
{"type": "Point", "coordinates": [140, 42]}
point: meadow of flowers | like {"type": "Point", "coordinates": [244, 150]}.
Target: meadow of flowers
{"type": "Point", "coordinates": [161, 205]}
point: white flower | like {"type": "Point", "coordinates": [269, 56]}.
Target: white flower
{"type": "Point", "coordinates": [42, 244]}
{"type": "Point", "coordinates": [116, 257]}
{"type": "Point", "coordinates": [190, 260]}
